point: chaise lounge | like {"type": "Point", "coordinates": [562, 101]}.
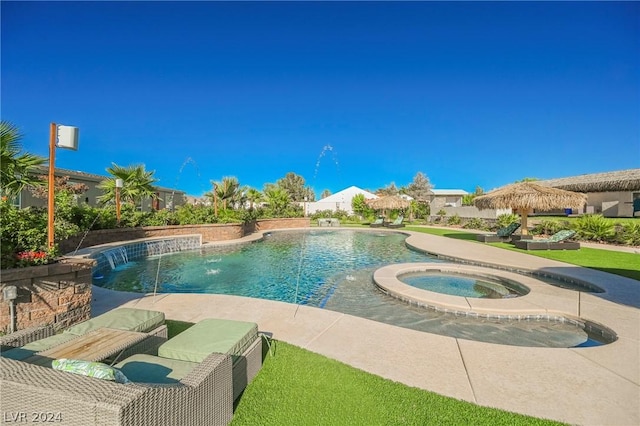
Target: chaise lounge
{"type": "Point", "coordinates": [396, 223]}
{"type": "Point", "coordinates": [377, 223]}
{"type": "Point", "coordinates": [558, 241]}
{"type": "Point", "coordinates": [501, 235]}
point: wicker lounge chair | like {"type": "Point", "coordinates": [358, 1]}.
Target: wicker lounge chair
{"type": "Point", "coordinates": [396, 223]}
{"type": "Point", "coordinates": [378, 223]}
{"type": "Point", "coordinates": [558, 241]}
{"type": "Point", "coordinates": [502, 234]}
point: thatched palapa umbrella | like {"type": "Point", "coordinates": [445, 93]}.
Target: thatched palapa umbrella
{"type": "Point", "coordinates": [524, 197]}
{"type": "Point", "coordinates": [389, 202]}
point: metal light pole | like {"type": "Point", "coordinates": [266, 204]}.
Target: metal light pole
{"type": "Point", "coordinates": [119, 185]}
{"type": "Point", "coordinates": [61, 137]}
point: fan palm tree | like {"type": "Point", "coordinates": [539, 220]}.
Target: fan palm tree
{"type": "Point", "coordinates": [225, 190]}
{"type": "Point", "coordinates": [277, 198]}
{"type": "Point", "coordinates": [17, 170]}
{"type": "Point", "coordinates": [137, 184]}
{"type": "Point", "coordinates": [253, 196]}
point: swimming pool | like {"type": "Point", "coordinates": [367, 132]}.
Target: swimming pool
{"type": "Point", "coordinates": [330, 269]}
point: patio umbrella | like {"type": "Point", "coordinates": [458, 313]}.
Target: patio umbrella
{"type": "Point", "coordinates": [524, 197]}
{"type": "Point", "coordinates": [388, 202]}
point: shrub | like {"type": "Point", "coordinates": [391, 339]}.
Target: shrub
{"type": "Point", "coordinates": [629, 234]}
{"type": "Point", "coordinates": [547, 227]}
{"type": "Point", "coordinates": [420, 210]}
{"type": "Point", "coordinates": [476, 223]}
{"type": "Point", "coordinates": [594, 227]}
{"type": "Point", "coordinates": [454, 220]}
{"type": "Point", "coordinates": [506, 219]}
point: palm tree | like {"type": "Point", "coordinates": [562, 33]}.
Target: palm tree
{"type": "Point", "coordinates": [137, 184]}
{"type": "Point", "coordinates": [277, 198]}
{"type": "Point", "coordinates": [224, 191]}
{"type": "Point", "coordinates": [17, 170]}
{"type": "Point", "coordinates": [253, 196]}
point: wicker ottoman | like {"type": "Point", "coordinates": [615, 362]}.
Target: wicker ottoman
{"type": "Point", "coordinates": [236, 338]}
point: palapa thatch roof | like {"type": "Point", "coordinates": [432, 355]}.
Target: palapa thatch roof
{"type": "Point", "coordinates": [388, 202]}
{"type": "Point", "coordinates": [622, 180]}
{"type": "Point", "coordinates": [529, 196]}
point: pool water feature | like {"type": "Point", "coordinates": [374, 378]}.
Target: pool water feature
{"type": "Point", "coordinates": [335, 272]}
{"type": "Point", "coordinates": [463, 285]}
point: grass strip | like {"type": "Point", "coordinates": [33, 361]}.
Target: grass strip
{"type": "Point", "coordinates": [613, 262]}
{"type": "Point", "coordinates": [299, 387]}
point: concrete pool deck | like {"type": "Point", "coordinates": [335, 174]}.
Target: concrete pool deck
{"type": "Point", "coordinates": [589, 386]}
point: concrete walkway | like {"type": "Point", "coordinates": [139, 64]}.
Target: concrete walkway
{"type": "Point", "coordinates": [590, 386]}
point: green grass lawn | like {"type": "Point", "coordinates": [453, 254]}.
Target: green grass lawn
{"type": "Point", "coordinates": [614, 262]}
{"type": "Point", "coordinates": [299, 387]}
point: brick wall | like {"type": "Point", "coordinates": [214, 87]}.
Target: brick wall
{"type": "Point", "coordinates": [295, 222]}
{"type": "Point", "coordinates": [58, 294]}
{"type": "Point", "coordinates": [209, 232]}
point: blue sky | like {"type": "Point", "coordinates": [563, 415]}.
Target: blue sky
{"type": "Point", "coordinates": [341, 93]}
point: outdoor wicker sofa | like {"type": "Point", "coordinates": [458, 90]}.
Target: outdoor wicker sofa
{"type": "Point", "coordinates": [25, 343]}
{"type": "Point", "coordinates": [202, 397]}
{"type": "Point", "coordinates": [191, 379]}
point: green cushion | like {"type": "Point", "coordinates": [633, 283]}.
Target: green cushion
{"type": "Point", "coordinates": [17, 353]}
{"type": "Point", "coordinates": [508, 230]}
{"type": "Point", "coordinates": [130, 319]}
{"type": "Point", "coordinates": [562, 235]}
{"type": "Point", "coordinates": [36, 346]}
{"type": "Point", "coordinates": [144, 368]}
{"type": "Point", "coordinates": [209, 336]}
{"type": "Point", "coordinates": [97, 370]}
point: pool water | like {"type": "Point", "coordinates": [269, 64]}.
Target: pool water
{"type": "Point", "coordinates": [461, 285]}
{"type": "Point", "coordinates": [330, 269]}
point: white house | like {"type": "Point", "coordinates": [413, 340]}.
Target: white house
{"type": "Point", "coordinates": [338, 201]}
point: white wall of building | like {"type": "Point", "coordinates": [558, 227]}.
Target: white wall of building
{"type": "Point", "coordinates": [339, 201]}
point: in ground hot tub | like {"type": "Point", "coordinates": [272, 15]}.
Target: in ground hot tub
{"type": "Point", "coordinates": [465, 285]}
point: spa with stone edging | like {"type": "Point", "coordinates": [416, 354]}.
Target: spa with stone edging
{"type": "Point", "coordinates": [534, 305]}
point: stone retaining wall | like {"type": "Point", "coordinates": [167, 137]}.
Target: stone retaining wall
{"type": "Point", "coordinates": [58, 294]}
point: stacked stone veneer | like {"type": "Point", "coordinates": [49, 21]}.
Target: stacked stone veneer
{"type": "Point", "coordinates": [58, 294]}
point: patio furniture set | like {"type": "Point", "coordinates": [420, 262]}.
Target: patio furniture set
{"type": "Point", "coordinates": [328, 222]}
{"type": "Point", "coordinates": [192, 378]}
{"type": "Point", "coordinates": [561, 240]}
